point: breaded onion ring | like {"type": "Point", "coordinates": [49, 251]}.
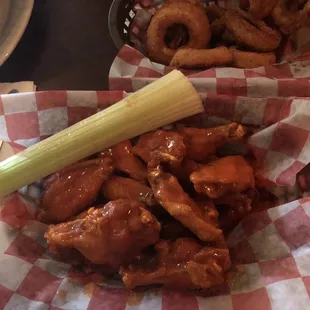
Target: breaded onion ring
{"type": "Point", "coordinates": [192, 16]}
{"type": "Point", "coordinates": [244, 4]}
{"type": "Point", "coordinates": [288, 17]}
{"type": "Point", "coordinates": [215, 15]}
{"type": "Point", "coordinates": [252, 33]}
{"type": "Point", "coordinates": [215, 12]}
{"type": "Point", "coordinates": [217, 27]}
{"type": "Point", "coordinates": [261, 8]}
{"type": "Point", "coordinates": [242, 59]}
{"type": "Point", "coordinates": [193, 58]}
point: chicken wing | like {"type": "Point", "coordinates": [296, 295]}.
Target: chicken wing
{"type": "Point", "coordinates": [183, 263]}
{"type": "Point", "coordinates": [227, 175]}
{"type": "Point", "coordinates": [72, 189]}
{"type": "Point", "coordinates": [171, 229]}
{"type": "Point", "coordinates": [186, 168]}
{"type": "Point", "coordinates": [211, 214]}
{"type": "Point", "coordinates": [204, 142]}
{"type": "Point", "coordinates": [240, 202]}
{"type": "Point", "coordinates": [79, 261]}
{"type": "Point", "coordinates": [169, 193]}
{"type": "Point", "coordinates": [164, 146]}
{"type": "Point", "coordinates": [125, 161]}
{"type": "Point", "coordinates": [208, 208]}
{"type": "Point", "coordinates": [111, 235]}
{"type": "Point", "coordinates": [124, 188]}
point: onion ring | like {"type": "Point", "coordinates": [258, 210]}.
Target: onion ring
{"type": "Point", "coordinates": [215, 12]}
{"type": "Point", "coordinates": [261, 8]}
{"type": "Point", "coordinates": [244, 4]}
{"type": "Point", "coordinates": [252, 33]}
{"type": "Point", "coordinates": [192, 16]}
{"type": "Point", "coordinates": [217, 27]}
{"type": "Point", "coordinates": [215, 15]}
{"type": "Point", "coordinates": [248, 60]}
{"type": "Point", "coordinates": [288, 17]}
{"type": "Point", "coordinates": [195, 58]}
{"type": "Point", "coordinates": [176, 36]}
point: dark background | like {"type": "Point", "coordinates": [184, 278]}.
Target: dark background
{"type": "Point", "coordinates": [65, 46]}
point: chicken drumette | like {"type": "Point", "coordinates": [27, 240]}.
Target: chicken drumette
{"type": "Point", "coordinates": [225, 176]}
{"type": "Point", "coordinates": [183, 263]}
{"type": "Point", "coordinates": [72, 189]}
{"type": "Point", "coordinates": [111, 235]}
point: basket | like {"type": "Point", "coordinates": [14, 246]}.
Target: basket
{"type": "Point", "coordinates": [121, 15]}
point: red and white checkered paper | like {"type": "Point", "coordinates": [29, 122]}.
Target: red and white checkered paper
{"type": "Point", "coordinates": [132, 70]}
{"type": "Point", "coordinates": [270, 250]}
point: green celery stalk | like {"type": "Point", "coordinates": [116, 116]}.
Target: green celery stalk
{"type": "Point", "coordinates": [165, 101]}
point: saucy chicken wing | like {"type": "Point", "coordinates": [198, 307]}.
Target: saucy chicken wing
{"type": "Point", "coordinates": [183, 263]}
{"type": "Point", "coordinates": [186, 168]}
{"type": "Point", "coordinates": [72, 189]}
{"type": "Point", "coordinates": [164, 146]}
{"type": "Point", "coordinates": [169, 193]}
{"type": "Point", "coordinates": [204, 142]}
{"type": "Point", "coordinates": [211, 214]}
{"type": "Point", "coordinates": [241, 202]}
{"type": "Point", "coordinates": [227, 175]}
{"type": "Point", "coordinates": [111, 235]}
{"type": "Point", "coordinates": [125, 161]}
{"type": "Point", "coordinates": [79, 261]}
{"type": "Point", "coordinates": [124, 188]}
{"type": "Point", "coordinates": [171, 229]}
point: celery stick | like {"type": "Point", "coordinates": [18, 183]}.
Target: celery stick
{"type": "Point", "coordinates": [165, 101]}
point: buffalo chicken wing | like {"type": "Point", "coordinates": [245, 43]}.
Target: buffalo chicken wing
{"type": "Point", "coordinates": [204, 142]}
{"type": "Point", "coordinates": [72, 189]}
{"type": "Point", "coordinates": [227, 175]}
{"type": "Point", "coordinates": [161, 145]}
{"type": "Point", "coordinates": [124, 188]}
{"type": "Point", "coordinates": [125, 161]}
{"type": "Point", "coordinates": [111, 235]}
{"type": "Point", "coordinates": [183, 263]}
{"type": "Point", "coordinates": [172, 197]}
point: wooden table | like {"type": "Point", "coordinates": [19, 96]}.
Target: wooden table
{"type": "Point", "coordinates": [66, 46]}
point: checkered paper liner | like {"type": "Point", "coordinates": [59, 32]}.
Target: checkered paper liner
{"type": "Point", "coordinates": [270, 249]}
{"type": "Point", "coordinates": [132, 69]}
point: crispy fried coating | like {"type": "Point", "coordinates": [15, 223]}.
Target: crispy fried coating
{"type": "Point", "coordinates": [252, 33]}
{"type": "Point", "coordinates": [288, 16]}
{"type": "Point", "coordinates": [201, 58]}
{"type": "Point", "coordinates": [260, 9]}
{"type": "Point", "coordinates": [244, 59]}
{"type": "Point", "coordinates": [190, 15]}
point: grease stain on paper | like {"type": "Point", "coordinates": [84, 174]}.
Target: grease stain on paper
{"type": "Point", "coordinates": [135, 298]}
